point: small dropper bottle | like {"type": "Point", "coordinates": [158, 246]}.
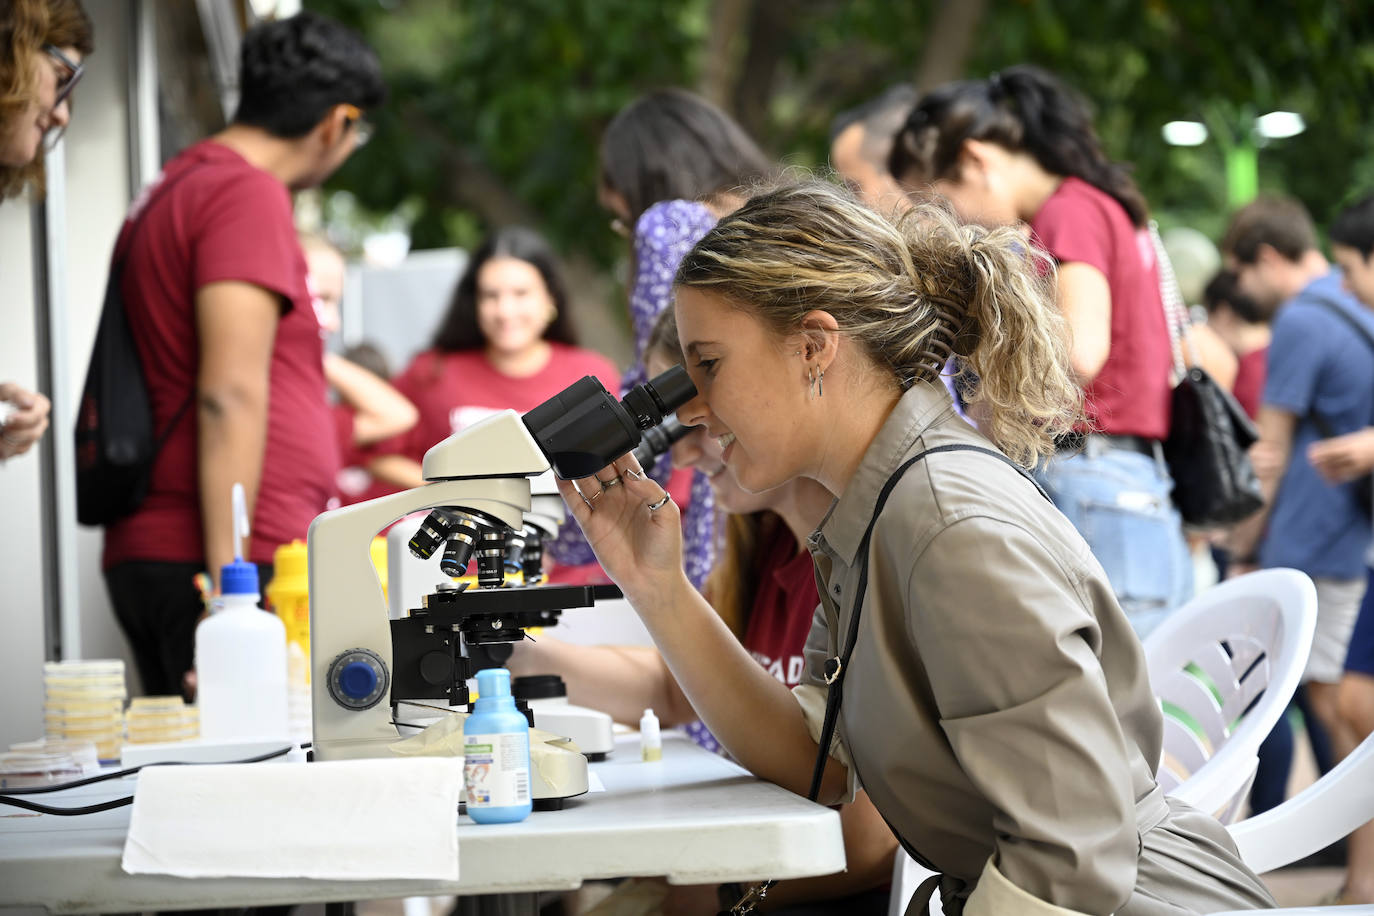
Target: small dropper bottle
{"type": "Point", "coordinates": [650, 741]}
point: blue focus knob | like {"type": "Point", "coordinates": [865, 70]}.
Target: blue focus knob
{"type": "Point", "coordinates": [357, 680]}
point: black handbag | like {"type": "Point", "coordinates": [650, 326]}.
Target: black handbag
{"type": "Point", "coordinates": [1209, 434]}
{"type": "Point", "coordinates": [116, 443]}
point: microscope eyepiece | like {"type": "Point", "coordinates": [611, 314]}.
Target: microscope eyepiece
{"type": "Point", "coordinates": [657, 398]}
{"type": "Point", "coordinates": [658, 440]}
{"type": "Point", "coordinates": [583, 428]}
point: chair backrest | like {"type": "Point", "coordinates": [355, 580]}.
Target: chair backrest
{"type": "Point", "coordinates": [1316, 817]}
{"type": "Point", "coordinates": [1224, 667]}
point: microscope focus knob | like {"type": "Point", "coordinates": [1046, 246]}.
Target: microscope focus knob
{"type": "Point", "coordinates": [358, 679]}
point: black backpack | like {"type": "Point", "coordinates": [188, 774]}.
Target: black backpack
{"type": "Point", "coordinates": [116, 442]}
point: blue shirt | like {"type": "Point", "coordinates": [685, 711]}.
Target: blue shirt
{"type": "Point", "coordinates": [1319, 365]}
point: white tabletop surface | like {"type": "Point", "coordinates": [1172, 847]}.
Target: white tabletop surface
{"type": "Point", "coordinates": [693, 817]}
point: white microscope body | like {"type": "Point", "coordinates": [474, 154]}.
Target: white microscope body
{"type": "Point", "coordinates": [480, 489]}
{"type": "Point", "coordinates": [486, 467]}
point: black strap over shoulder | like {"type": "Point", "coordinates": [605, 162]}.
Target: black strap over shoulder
{"type": "Point", "coordinates": [837, 667]}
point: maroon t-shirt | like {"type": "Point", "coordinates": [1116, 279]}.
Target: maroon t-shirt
{"type": "Point", "coordinates": [224, 220]}
{"type": "Point", "coordinates": [784, 606]}
{"type": "Point", "coordinates": [1249, 386]}
{"type": "Point", "coordinates": [452, 391]}
{"type": "Point", "coordinates": [1130, 395]}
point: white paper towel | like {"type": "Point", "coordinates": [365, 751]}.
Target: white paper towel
{"type": "Point", "coordinates": [340, 820]}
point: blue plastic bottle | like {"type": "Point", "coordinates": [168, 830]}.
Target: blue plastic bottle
{"type": "Point", "coordinates": [496, 753]}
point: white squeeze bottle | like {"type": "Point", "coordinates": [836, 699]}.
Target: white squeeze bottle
{"type": "Point", "coordinates": [241, 656]}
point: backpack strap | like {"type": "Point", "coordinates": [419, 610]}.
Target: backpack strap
{"type": "Point", "coordinates": [121, 253]}
{"type": "Point", "coordinates": [1324, 428]}
{"type": "Point", "coordinates": [837, 667]}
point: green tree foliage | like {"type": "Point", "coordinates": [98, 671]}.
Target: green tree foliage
{"type": "Point", "coordinates": [498, 105]}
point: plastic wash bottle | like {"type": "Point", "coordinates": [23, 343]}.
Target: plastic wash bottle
{"type": "Point", "coordinates": [496, 753]}
{"type": "Point", "coordinates": [241, 663]}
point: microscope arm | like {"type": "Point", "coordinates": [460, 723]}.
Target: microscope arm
{"type": "Point", "coordinates": [348, 610]}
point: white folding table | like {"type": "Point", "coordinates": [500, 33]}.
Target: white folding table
{"type": "Point", "coordinates": [693, 817]}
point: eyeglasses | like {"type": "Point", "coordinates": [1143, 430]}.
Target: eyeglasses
{"type": "Point", "coordinates": [362, 129]}
{"type": "Point", "coordinates": [74, 72]}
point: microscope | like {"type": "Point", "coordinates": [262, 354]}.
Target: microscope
{"type": "Point", "coordinates": [479, 495]}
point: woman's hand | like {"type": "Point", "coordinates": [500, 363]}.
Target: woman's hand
{"type": "Point", "coordinates": [632, 525]}
{"type": "Point", "coordinates": [26, 420]}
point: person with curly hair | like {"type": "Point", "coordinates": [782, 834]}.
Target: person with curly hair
{"type": "Point", "coordinates": [45, 43]}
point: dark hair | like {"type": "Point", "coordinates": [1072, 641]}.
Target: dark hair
{"type": "Point", "coordinates": [1354, 227]}
{"type": "Point", "coordinates": [370, 357]}
{"type": "Point", "coordinates": [1224, 290]}
{"type": "Point", "coordinates": [25, 27]}
{"type": "Point", "coordinates": [292, 71]}
{"type": "Point", "coordinates": [881, 118]}
{"type": "Point", "coordinates": [1021, 108]}
{"type": "Point", "coordinates": [672, 145]}
{"type": "Point", "coordinates": [460, 330]}
{"type": "Point", "coordinates": [1282, 223]}
{"type": "Point", "coordinates": [663, 337]}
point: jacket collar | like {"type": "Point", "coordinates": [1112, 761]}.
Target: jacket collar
{"type": "Point", "coordinates": [920, 407]}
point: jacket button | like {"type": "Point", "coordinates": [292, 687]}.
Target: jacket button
{"type": "Point", "coordinates": [836, 589]}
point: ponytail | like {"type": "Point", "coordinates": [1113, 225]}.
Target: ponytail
{"type": "Point", "coordinates": [998, 316]}
{"type": "Point", "coordinates": [1021, 108]}
{"type": "Point", "coordinates": [910, 294]}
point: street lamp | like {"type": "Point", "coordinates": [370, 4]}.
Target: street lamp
{"type": "Point", "coordinates": [1239, 147]}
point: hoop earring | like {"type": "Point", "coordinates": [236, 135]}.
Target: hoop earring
{"type": "Point", "coordinates": [820, 384]}
{"type": "Point", "coordinates": [811, 374]}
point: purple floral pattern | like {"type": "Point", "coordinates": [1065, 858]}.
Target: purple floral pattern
{"type": "Point", "coordinates": [663, 236]}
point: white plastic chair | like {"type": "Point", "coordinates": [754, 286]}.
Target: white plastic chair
{"type": "Point", "coordinates": [1359, 909]}
{"type": "Point", "coordinates": [1313, 819]}
{"type": "Point", "coordinates": [1224, 667]}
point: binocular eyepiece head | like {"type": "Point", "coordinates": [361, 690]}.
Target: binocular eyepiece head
{"type": "Point", "coordinates": [583, 428]}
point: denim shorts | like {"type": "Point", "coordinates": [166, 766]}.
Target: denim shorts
{"type": "Point", "coordinates": [1119, 501]}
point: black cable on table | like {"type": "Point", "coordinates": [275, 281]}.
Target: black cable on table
{"type": "Point", "coordinates": [11, 797]}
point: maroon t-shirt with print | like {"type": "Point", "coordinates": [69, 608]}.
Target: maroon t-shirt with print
{"type": "Point", "coordinates": [784, 606]}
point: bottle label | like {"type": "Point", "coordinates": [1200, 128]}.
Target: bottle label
{"type": "Point", "coordinates": [496, 770]}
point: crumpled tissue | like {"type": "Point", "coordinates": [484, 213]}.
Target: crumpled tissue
{"type": "Point", "coordinates": [560, 770]}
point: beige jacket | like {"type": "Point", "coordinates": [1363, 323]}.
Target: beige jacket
{"type": "Point", "coordinates": [997, 707]}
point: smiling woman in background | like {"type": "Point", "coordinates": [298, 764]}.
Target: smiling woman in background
{"type": "Point", "coordinates": [507, 343]}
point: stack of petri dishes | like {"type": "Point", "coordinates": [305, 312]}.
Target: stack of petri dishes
{"type": "Point", "coordinates": [40, 766]}
{"type": "Point", "coordinates": [83, 752]}
{"type": "Point", "coordinates": [162, 720]}
{"type": "Point", "coordinates": [84, 701]}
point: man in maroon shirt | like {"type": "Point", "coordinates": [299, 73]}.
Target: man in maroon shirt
{"type": "Point", "coordinates": [214, 284]}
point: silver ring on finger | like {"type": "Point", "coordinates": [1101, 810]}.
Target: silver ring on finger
{"type": "Point", "coordinates": [607, 484]}
{"type": "Point", "coordinates": [655, 506]}
{"type": "Point", "coordinates": [591, 499]}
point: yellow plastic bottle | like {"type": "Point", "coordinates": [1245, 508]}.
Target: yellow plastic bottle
{"type": "Point", "coordinates": [289, 593]}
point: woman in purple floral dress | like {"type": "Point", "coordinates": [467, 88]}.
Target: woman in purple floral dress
{"type": "Point", "coordinates": [671, 164]}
